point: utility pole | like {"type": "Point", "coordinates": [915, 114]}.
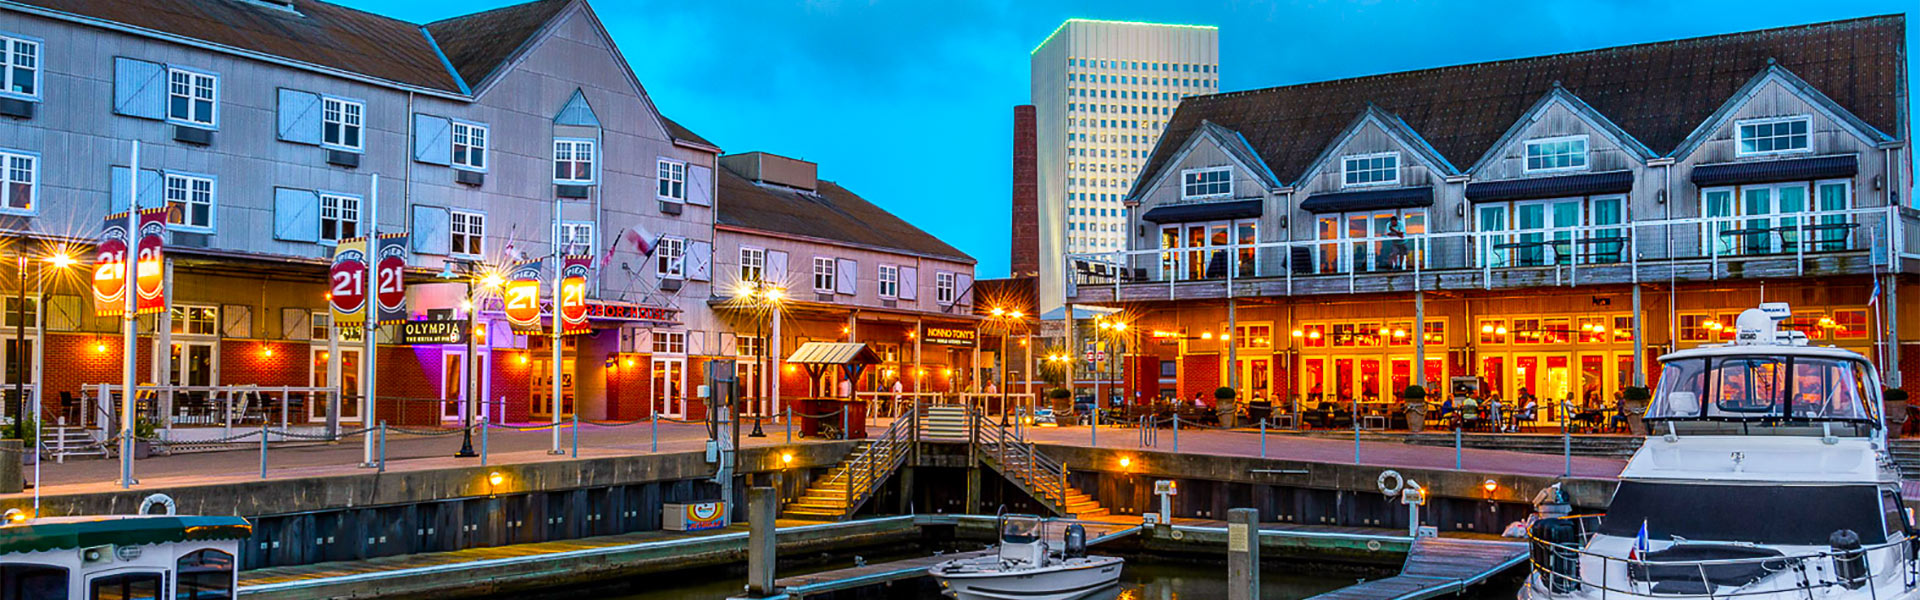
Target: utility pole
{"type": "Point", "coordinates": [370, 325]}
{"type": "Point", "coordinates": [129, 348]}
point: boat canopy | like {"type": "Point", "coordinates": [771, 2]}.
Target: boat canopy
{"type": "Point", "coordinates": [1739, 387]}
{"type": "Point", "coordinates": [58, 533]}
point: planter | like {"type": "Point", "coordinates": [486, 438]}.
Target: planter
{"type": "Point", "coordinates": [142, 449]}
{"type": "Point", "coordinates": [1896, 416]}
{"type": "Point", "coordinates": [1063, 414]}
{"type": "Point", "coordinates": [1229, 412]}
{"type": "Point", "coordinates": [1417, 417]}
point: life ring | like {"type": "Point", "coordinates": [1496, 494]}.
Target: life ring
{"type": "Point", "coordinates": [1398, 482]}
{"type": "Point", "coordinates": [146, 506]}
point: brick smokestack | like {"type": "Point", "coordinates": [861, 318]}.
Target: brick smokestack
{"type": "Point", "coordinates": [1025, 241]}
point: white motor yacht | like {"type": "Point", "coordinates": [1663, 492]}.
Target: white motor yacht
{"type": "Point", "coordinates": [1766, 477]}
{"type": "Point", "coordinates": [1024, 568]}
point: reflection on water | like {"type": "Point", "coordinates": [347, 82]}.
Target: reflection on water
{"type": "Point", "coordinates": [1139, 581]}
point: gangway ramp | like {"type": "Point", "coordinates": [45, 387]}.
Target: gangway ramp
{"type": "Point", "coordinates": [1437, 567]}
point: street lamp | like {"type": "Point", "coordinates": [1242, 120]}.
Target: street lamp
{"type": "Point", "coordinates": [60, 260]}
{"type": "Point", "coordinates": [488, 281]}
{"type": "Point", "coordinates": [761, 294]}
{"type": "Point", "coordinates": [1112, 330]}
{"type": "Point", "coordinates": [1006, 319]}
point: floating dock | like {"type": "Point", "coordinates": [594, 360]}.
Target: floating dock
{"type": "Point", "coordinates": [1437, 567]}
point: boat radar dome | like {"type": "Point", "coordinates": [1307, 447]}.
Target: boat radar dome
{"type": "Point", "coordinates": [1759, 326]}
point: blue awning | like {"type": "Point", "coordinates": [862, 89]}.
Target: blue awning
{"type": "Point", "coordinates": [1769, 171]}
{"type": "Point", "coordinates": [1368, 200]}
{"type": "Point", "coordinates": [1204, 211]}
{"type": "Point", "coordinates": [1584, 184]}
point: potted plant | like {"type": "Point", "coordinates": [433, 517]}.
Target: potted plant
{"type": "Point", "coordinates": [1415, 397]}
{"type": "Point", "coordinates": [1633, 402]}
{"type": "Point", "coordinates": [28, 453]}
{"type": "Point", "coordinates": [143, 431]}
{"type": "Point", "coordinates": [1895, 401]}
{"type": "Point", "coordinates": [1224, 405]}
{"type": "Point", "coordinates": [1061, 399]}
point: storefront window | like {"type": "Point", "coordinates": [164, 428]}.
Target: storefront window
{"type": "Point", "coordinates": [1253, 336]}
{"type": "Point", "coordinates": [1623, 329]}
{"type": "Point", "coordinates": [1493, 331]}
{"type": "Point", "coordinates": [1696, 327]}
{"type": "Point", "coordinates": [1557, 331]}
{"type": "Point", "coordinates": [1400, 334]}
{"type": "Point", "coordinates": [1313, 378]}
{"type": "Point", "coordinates": [1593, 330]}
{"type": "Point", "coordinates": [1436, 333]}
{"type": "Point", "coordinates": [1851, 324]}
{"type": "Point", "coordinates": [1526, 331]}
{"type": "Point", "coordinates": [1315, 336]}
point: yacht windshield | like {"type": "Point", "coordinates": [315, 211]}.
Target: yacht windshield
{"type": "Point", "coordinates": [1761, 514]}
{"type": "Point", "coordinates": [1764, 387]}
{"type": "Point", "coordinates": [1020, 529]}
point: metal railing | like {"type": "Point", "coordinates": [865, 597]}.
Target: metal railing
{"type": "Point", "coordinates": [1696, 247]}
{"type": "Point", "coordinates": [1019, 459]}
{"type": "Point", "coordinates": [860, 475]}
{"type": "Point", "coordinates": [1561, 568]}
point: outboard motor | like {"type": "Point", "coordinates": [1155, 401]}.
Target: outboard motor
{"type": "Point", "coordinates": [1849, 561]}
{"type": "Point", "coordinates": [1558, 564]}
{"type": "Point", "coordinates": [1076, 542]}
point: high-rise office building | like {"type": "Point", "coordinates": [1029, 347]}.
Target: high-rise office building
{"type": "Point", "coordinates": [1102, 92]}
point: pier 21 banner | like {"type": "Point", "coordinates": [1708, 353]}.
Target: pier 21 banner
{"type": "Point", "coordinates": [110, 264]}
{"type": "Point", "coordinates": [573, 293]}
{"type": "Point", "coordinates": [347, 282]}
{"type": "Point", "coordinates": [520, 299]}
{"type": "Point", "coordinates": [391, 257]}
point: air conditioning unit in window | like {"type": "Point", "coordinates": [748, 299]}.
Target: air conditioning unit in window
{"type": "Point", "coordinates": [16, 108]}
{"type": "Point", "coordinates": [670, 208]}
{"type": "Point", "coordinates": [342, 158]}
{"type": "Point", "coordinates": [192, 135]}
{"type": "Point", "coordinates": [469, 177]}
{"type": "Point", "coordinates": [670, 285]}
{"type": "Point", "coordinates": [570, 191]}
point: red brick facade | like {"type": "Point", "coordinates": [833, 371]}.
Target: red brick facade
{"type": "Point", "coordinates": [1199, 374]}
{"type": "Point", "coordinates": [1142, 382]}
{"type": "Point", "coordinates": [1026, 194]}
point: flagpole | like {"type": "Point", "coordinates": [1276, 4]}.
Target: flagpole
{"type": "Point", "coordinates": [130, 350]}
{"type": "Point", "coordinates": [370, 312]}
{"type": "Point", "coordinates": [559, 268]}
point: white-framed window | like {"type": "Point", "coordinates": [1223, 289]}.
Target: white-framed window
{"type": "Point", "coordinates": [13, 314]}
{"type": "Point", "coordinates": [339, 217]}
{"type": "Point", "coordinates": [944, 287]}
{"type": "Point", "coordinates": [194, 320]}
{"type": "Point", "coordinates": [889, 281]}
{"type": "Point", "coordinates": [1557, 154]}
{"type": "Point", "coordinates": [1213, 182]}
{"type": "Point", "coordinates": [669, 342]}
{"type": "Point", "coordinates": [469, 146]}
{"type": "Point", "coordinates": [19, 67]}
{"type": "Point", "coordinates": [749, 345]}
{"type": "Point", "coordinates": [823, 274]}
{"type": "Point", "coordinates": [192, 97]}
{"type": "Point", "coordinates": [19, 181]}
{"type": "Point", "coordinates": [1380, 168]}
{"type": "Point", "coordinates": [192, 196]}
{"type": "Point", "coordinates": [673, 181]}
{"type": "Point", "coordinates": [671, 258]}
{"type": "Point", "coordinates": [322, 321]}
{"type": "Point", "coordinates": [341, 123]}
{"type": "Point", "coordinates": [573, 161]}
{"type": "Point", "coordinates": [1774, 135]}
{"type": "Point", "coordinates": [753, 265]}
{"type": "Point", "coordinates": [576, 237]}
{"type": "Point", "coordinates": [467, 233]}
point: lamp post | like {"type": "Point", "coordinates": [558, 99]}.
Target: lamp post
{"type": "Point", "coordinates": [60, 260]}
{"type": "Point", "coordinates": [761, 294]}
{"type": "Point", "coordinates": [1006, 319]}
{"type": "Point", "coordinates": [1112, 330]}
{"type": "Point", "coordinates": [490, 281]}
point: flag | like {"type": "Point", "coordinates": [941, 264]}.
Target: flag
{"type": "Point", "coordinates": [1640, 548]}
{"type": "Point", "coordinates": [1873, 298]}
{"type": "Point", "coordinates": [510, 250]}
{"type": "Point", "coordinates": [643, 242]}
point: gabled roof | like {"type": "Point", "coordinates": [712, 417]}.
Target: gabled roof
{"type": "Point", "coordinates": [315, 33]}
{"type": "Point", "coordinates": [832, 213]}
{"type": "Point", "coordinates": [680, 133]}
{"type": "Point", "coordinates": [1658, 92]}
{"type": "Point", "coordinates": [477, 45]}
{"type": "Point", "coordinates": [1559, 95]}
{"type": "Point", "coordinates": [1395, 128]}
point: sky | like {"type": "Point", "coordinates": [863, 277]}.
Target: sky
{"type": "Point", "coordinates": [909, 103]}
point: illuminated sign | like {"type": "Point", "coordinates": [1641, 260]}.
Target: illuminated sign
{"type": "Point", "coordinates": [420, 333]}
{"type": "Point", "coordinates": [948, 336]}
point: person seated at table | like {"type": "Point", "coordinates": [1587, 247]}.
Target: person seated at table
{"type": "Point", "coordinates": [1494, 414]}
{"type": "Point", "coordinates": [1529, 411]}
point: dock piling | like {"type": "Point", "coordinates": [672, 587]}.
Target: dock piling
{"type": "Point", "coordinates": [1243, 554]}
{"type": "Point", "coordinates": [762, 503]}
{"type": "Point", "coordinates": [483, 438]}
{"type": "Point", "coordinates": [263, 449]}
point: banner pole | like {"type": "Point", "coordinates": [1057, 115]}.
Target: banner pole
{"type": "Point", "coordinates": [130, 348]}
{"type": "Point", "coordinates": [370, 315]}
{"type": "Point", "coordinates": [559, 271]}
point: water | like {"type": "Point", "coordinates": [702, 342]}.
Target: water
{"type": "Point", "coordinates": [1141, 580]}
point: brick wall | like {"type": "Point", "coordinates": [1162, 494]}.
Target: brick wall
{"type": "Point", "coordinates": [512, 376]}
{"type": "Point", "coordinates": [1025, 238]}
{"type": "Point", "coordinates": [77, 360]}
{"type": "Point", "coordinates": [409, 385]}
{"type": "Point", "coordinates": [1199, 374]}
{"type": "Point", "coordinates": [630, 388]}
{"type": "Point", "coordinates": [264, 363]}
{"type": "Point", "coordinates": [1142, 378]}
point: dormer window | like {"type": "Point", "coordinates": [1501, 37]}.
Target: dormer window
{"type": "Point", "coordinates": [1777, 135]}
{"type": "Point", "coordinates": [1215, 182]}
{"type": "Point", "coordinates": [1370, 169]}
{"type": "Point", "coordinates": [1557, 154]}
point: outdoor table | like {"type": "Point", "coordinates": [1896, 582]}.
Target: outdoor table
{"type": "Point", "coordinates": [1746, 234]}
{"type": "Point", "coordinates": [1553, 244]}
{"type": "Point", "coordinates": [1833, 244]}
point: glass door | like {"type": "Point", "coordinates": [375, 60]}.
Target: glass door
{"type": "Point", "coordinates": [349, 383]}
{"type": "Point", "coordinates": [1530, 219]}
{"type": "Point", "coordinates": [1313, 380]}
{"type": "Point", "coordinates": [1791, 202]}
{"type": "Point", "coordinates": [1566, 220]}
{"type": "Point", "coordinates": [1607, 245]}
{"type": "Point", "coordinates": [1402, 376]}
{"type": "Point", "coordinates": [1257, 377]}
{"type": "Point", "coordinates": [1758, 203]}
{"type": "Point", "coordinates": [540, 404]}
{"type": "Point", "coordinates": [1595, 391]}
{"type": "Point", "coordinates": [1715, 204]}
{"type": "Point", "coordinates": [669, 387]}
{"type": "Point", "coordinates": [455, 388]}
{"type": "Point", "coordinates": [1493, 218]}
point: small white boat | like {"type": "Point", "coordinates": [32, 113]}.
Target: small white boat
{"type": "Point", "coordinates": [1024, 568]}
{"type": "Point", "coordinates": [113, 557]}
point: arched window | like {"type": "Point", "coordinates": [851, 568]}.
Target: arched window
{"type": "Point", "coordinates": [205, 575]}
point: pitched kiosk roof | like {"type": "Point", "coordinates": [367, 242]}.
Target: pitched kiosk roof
{"type": "Point", "coordinates": [1658, 92]}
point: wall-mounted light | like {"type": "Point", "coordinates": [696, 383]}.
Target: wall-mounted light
{"type": "Point", "coordinates": [495, 478]}
{"type": "Point", "coordinates": [1660, 197]}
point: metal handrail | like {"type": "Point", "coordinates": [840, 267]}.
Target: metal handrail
{"type": "Point", "coordinates": [1546, 575]}
{"type": "Point", "coordinates": [860, 475]}
{"type": "Point", "coordinates": [1023, 460]}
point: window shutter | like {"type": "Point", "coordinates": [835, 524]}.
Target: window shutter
{"type": "Point", "coordinates": [150, 192]}
{"type": "Point", "coordinates": [699, 185]}
{"type": "Point", "coordinates": [431, 143]}
{"type": "Point", "coordinates": [296, 215]}
{"type": "Point", "coordinates": [909, 283]}
{"type": "Point", "coordinates": [777, 267]}
{"type": "Point", "coordinates": [63, 313]}
{"type": "Point", "coordinates": [430, 235]}
{"type": "Point", "coordinates": [236, 321]}
{"type": "Point", "coordinates": [963, 289]}
{"type": "Point", "coordinates": [847, 277]}
{"type": "Point", "coordinates": [139, 88]}
{"type": "Point", "coordinates": [294, 323]}
{"type": "Point", "coordinates": [299, 119]}
{"type": "Point", "coordinates": [700, 260]}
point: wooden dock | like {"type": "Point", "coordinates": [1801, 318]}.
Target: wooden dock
{"type": "Point", "coordinates": [1436, 567]}
{"type": "Point", "coordinates": [802, 586]}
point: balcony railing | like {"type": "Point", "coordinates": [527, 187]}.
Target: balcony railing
{"type": "Point", "coordinates": [1810, 243]}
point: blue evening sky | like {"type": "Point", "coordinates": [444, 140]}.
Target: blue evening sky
{"type": "Point", "coordinates": [909, 102]}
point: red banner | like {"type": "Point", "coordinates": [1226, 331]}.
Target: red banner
{"type": "Point", "coordinates": [392, 259]}
{"type": "Point", "coordinates": [347, 282]}
{"type": "Point", "coordinates": [110, 265]}
{"type": "Point", "coordinates": [573, 293]}
{"type": "Point", "coordinates": [520, 299]}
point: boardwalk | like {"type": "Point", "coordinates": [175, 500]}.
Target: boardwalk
{"type": "Point", "coordinates": [1436, 567]}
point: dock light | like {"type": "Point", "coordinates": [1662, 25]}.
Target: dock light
{"type": "Point", "coordinates": [1490, 486]}
{"type": "Point", "coordinates": [786, 458]}
{"type": "Point", "coordinates": [1126, 461]}
{"type": "Point", "coordinates": [495, 478]}
{"type": "Point", "coordinates": [15, 515]}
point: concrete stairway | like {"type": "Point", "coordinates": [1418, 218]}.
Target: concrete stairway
{"type": "Point", "coordinates": [59, 443]}
{"type": "Point", "coordinates": [826, 499]}
{"type": "Point", "coordinates": [1906, 454]}
{"type": "Point", "coordinates": [944, 423]}
{"type": "Point", "coordinates": [850, 483]}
